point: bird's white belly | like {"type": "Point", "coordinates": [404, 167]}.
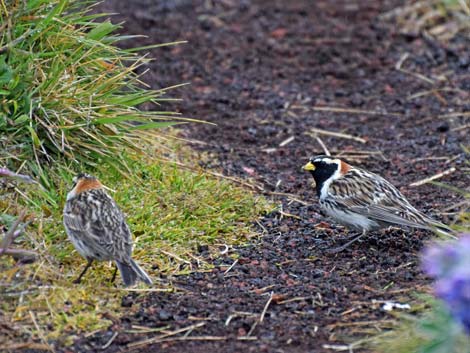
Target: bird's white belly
{"type": "Point", "coordinates": [351, 219]}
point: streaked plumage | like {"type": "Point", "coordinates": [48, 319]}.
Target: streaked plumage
{"type": "Point", "coordinates": [363, 200]}
{"type": "Point", "coordinates": [97, 228]}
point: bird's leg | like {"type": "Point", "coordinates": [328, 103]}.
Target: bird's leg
{"type": "Point", "coordinates": [350, 237]}
{"type": "Point", "coordinates": [344, 246]}
{"type": "Point", "coordinates": [114, 274]}
{"type": "Point", "coordinates": [83, 272]}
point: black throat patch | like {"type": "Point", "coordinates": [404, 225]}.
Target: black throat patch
{"type": "Point", "coordinates": [323, 171]}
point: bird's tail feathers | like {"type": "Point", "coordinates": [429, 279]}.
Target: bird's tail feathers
{"type": "Point", "coordinates": [141, 274]}
{"type": "Point", "coordinates": [131, 272]}
{"type": "Point", "coordinates": [441, 229]}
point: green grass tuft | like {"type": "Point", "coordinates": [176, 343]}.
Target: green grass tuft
{"type": "Point", "coordinates": [68, 94]}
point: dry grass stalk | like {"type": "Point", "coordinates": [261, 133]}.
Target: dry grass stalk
{"type": "Point", "coordinates": [434, 177]}
{"type": "Point", "coordinates": [216, 174]}
{"type": "Point", "coordinates": [352, 111]}
{"type": "Point", "coordinates": [266, 306]}
{"type": "Point", "coordinates": [323, 146]}
{"type": "Point", "coordinates": [231, 266]}
{"type": "Point", "coordinates": [159, 338]}
{"type": "Point", "coordinates": [287, 141]}
{"type": "Point", "coordinates": [337, 134]}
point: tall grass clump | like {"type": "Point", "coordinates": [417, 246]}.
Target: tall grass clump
{"type": "Point", "coordinates": [68, 94]}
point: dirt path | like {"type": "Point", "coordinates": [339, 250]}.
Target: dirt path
{"type": "Point", "coordinates": [262, 70]}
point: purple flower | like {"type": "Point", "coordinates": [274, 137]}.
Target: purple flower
{"type": "Point", "coordinates": [438, 260]}
{"type": "Point", "coordinates": [455, 291]}
{"type": "Point", "coordinates": [449, 264]}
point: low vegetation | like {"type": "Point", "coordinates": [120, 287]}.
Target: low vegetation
{"type": "Point", "coordinates": [441, 19]}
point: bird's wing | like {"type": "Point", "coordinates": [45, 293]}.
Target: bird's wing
{"type": "Point", "coordinates": [113, 231]}
{"type": "Point", "coordinates": [413, 218]}
{"type": "Point", "coordinates": [374, 197]}
{"type": "Point", "coordinates": [388, 215]}
{"type": "Point", "coordinates": [74, 222]}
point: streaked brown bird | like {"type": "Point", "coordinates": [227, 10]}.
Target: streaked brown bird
{"type": "Point", "coordinates": [363, 200]}
{"type": "Point", "coordinates": [98, 230]}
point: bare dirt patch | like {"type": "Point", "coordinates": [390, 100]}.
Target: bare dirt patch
{"type": "Point", "coordinates": [267, 73]}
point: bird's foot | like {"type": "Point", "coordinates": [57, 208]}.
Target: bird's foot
{"type": "Point", "coordinates": [345, 246]}
{"type": "Point", "coordinates": [113, 278]}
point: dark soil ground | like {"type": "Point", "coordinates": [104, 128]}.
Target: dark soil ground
{"type": "Point", "coordinates": [268, 72]}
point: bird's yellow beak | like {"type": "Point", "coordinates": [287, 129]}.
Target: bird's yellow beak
{"type": "Point", "coordinates": [309, 166]}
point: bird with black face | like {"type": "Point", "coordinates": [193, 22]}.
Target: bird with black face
{"type": "Point", "coordinates": [98, 230]}
{"type": "Point", "coordinates": [363, 200]}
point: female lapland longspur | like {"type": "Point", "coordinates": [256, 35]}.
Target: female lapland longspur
{"type": "Point", "coordinates": [97, 228]}
{"type": "Point", "coordinates": [363, 200]}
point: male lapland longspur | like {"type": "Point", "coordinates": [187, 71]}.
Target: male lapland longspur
{"type": "Point", "coordinates": [363, 200]}
{"type": "Point", "coordinates": [97, 228]}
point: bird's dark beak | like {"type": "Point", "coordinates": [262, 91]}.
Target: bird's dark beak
{"type": "Point", "coordinates": [309, 167]}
